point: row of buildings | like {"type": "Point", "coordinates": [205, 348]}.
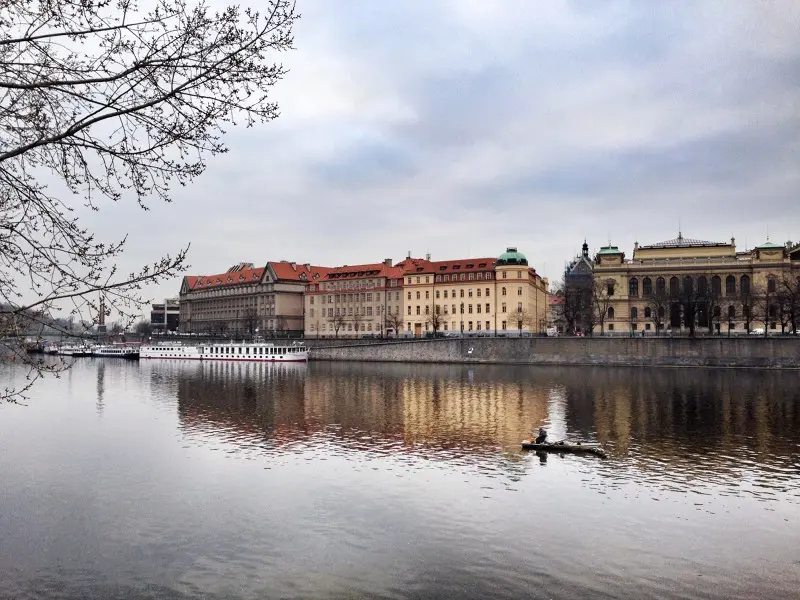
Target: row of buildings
{"type": "Point", "coordinates": [413, 297]}
{"type": "Point", "coordinates": [673, 285]}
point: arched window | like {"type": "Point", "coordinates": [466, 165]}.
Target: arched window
{"type": "Point", "coordinates": [647, 286]}
{"type": "Point", "coordinates": [688, 285]}
{"type": "Point", "coordinates": [744, 285]}
{"type": "Point", "coordinates": [674, 286]}
{"type": "Point", "coordinates": [661, 286]}
{"type": "Point", "coordinates": [611, 312]}
{"type": "Point", "coordinates": [730, 285]}
{"type": "Point", "coordinates": [771, 285]}
{"type": "Point", "coordinates": [702, 285]}
{"type": "Point", "coordinates": [647, 312]}
{"type": "Point", "coordinates": [634, 313]}
{"type": "Point", "coordinates": [661, 312]}
{"type": "Point", "coordinates": [716, 286]}
{"type": "Point", "coordinates": [633, 287]}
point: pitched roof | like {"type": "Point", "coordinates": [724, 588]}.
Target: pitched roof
{"type": "Point", "coordinates": [609, 250]}
{"type": "Point", "coordinates": [768, 246]}
{"type": "Point", "coordinates": [411, 266]}
{"type": "Point", "coordinates": [291, 271]}
{"type": "Point", "coordinates": [682, 242]}
{"type": "Point", "coordinates": [364, 271]}
{"type": "Point", "coordinates": [245, 274]}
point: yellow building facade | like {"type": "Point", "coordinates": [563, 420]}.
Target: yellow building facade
{"type": "Point", "coordinates": [735, 290]}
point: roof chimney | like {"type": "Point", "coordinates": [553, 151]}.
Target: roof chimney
{"type": "Point", "coordinates": [409, 254]}
{"type": "Point", "coordinates": [428, 256]}
{"type": "Point", "coordinates": [387, 262]}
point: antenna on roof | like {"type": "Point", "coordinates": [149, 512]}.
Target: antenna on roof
{"type": "Point", "coordinates": [680, 235]}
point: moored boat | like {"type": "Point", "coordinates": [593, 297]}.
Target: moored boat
{"type": "Point", "coordinates": [571, 447]}
{"type": "Point", "coordinates": [115, 351]}
{"type": "Point", "coordinates": [233, 351]}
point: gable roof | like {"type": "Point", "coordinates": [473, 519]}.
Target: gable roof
{"type": "Point", "coordinates": [237, 275]}
{"type": "Point", "coordinates": [290, 271]}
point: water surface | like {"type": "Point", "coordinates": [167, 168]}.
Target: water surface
{"type": "Point", "coordinates": [328, 480]}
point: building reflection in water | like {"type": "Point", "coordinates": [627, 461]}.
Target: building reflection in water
{"type": "Point", "coordinates": [691, 421]}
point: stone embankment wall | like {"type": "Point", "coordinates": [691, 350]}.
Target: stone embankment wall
{"type": "Point", "coordinates": [770, 353]}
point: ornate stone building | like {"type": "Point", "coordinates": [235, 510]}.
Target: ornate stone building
{"type": "Point", "coordinates": [682, 283]}
{"type": "Point", "coordinates": [247, 300]}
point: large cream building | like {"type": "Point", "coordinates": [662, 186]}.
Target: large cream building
{"type": "Point", "coordinates": [419, 296]}
{"type": "Point", "coordinates": [734, 283]}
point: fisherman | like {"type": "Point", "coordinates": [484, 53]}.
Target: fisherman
{"type": "Point", "coordinates": [542, 437]}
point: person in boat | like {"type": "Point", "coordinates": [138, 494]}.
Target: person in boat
{"type": "Point", "coordinates": [542, 437]}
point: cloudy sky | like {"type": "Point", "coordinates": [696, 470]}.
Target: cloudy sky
{"type": "Point", "coordinates": [460, 127]}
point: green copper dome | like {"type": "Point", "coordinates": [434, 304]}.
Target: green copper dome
{"type": "Point", "coordinates": [511, 257]}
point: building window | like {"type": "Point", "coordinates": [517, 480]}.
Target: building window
{"type": "Point", "coordinates": [674, 286]}
{"type": "Point", "coordinates": [634, 326]}
{"type": "Point", "coordinates": [469, 292]}
{"type": "Point", "coordinates": [502, 291]}
{"type": "Point", "coordinates": [427, 295]}
{"type": "Point", "coordinates": [730, 285]}
{"type": "Point", "coordinates": [731, 312]}
{"type": "Point", "coordinates": [470, 326]}
{"type": "Point", "coordinates": [503, 325]}
{"type": "Point", "coordinates": [369, 296]}
{"type": "Point", "coordinates": [454, 309]}
{"type": "Point", "coordinates": [661, 288]}
{"type": "Point", "coordinates": [312, 312]}
{"type": "Point", "coordinates": [409, 325]}
{"type": "Point", "coordinates": [409, 310]}
{"type": "Point", "coordinates": [487, 308]}
{"type": "Point", "coordinates": [611, 327]}
{"type": "Point", "coordinates": [461, 292]}
{"type": "Point", "coordinates": [479, 276]}
{"type": "Point", "coordinates": [611, 312]}
{"type": "Point", "coordinates": [744, 285]}
{"type": "Point", "coordinates": [479, 325]}
{"type": "Point", "coordinates": [647, 326]}
{"type": "Point", "coordinates": [634, 313]}
{"type": "Point", "coordinates": [488, 276]}
{"type": "Point", "coordinates": [519, 307]}
{"type": "Point", "coordinates": [311, 300]}
{"type": "Point", "coordinates": [438, 278]}
{"type": "Point", "coordinates": [519, 291]}
{"type": "Point", "coordinates": [478, 306]}
{"type": "Point", "coordinates": [469, 309]}
{"type": "Point", "coordinates": [503, 308]}
{"type": "Point", "coordinates": [771, 286]}
{"type": "Point", "coordinates": [633, 287]}
{"type": "Point", "coordinates": [519, 274]}
{"type": "Point", "coordinates": [647, 312]}
{"type": "Point", "coordinates": [417, 295]}
{"type": "Point", "coordinates": [487, 292]}
{"type": "Point", "coordinates": [418, 310]}
{"type": "Point", "coordinates": [427, 309]}
{"type": "Point", "coordinates": [471, 276]}
{"type": "Point", "coordinates": [447, 277]}
{"type": "Point", "coordinates": [478, 292]}
{"type": "Point", "coordinates": [702, 285]}
{"type": "Point", "coordinates": [417, 280]}
{"type": "Point", "coordinates": [427, 279]}
{"type": "Point", "coordinates": [369, 311]}
{"type": "Point", "coordinates": [610, 288]}
{"type": "Point", "coordinates": [505, 274]}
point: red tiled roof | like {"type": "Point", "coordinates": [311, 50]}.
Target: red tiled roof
{"type": "Point", "coordinates": [289, 271]}
{"type": "Point", "coordinates": [363, 271]}
{"type": "Point", "coordinates": [240, 277]}
{"type": "Point", "coordinates": [464, 265]}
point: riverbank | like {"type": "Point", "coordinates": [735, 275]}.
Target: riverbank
{"type": "Point", "coordinates": [760, 353]}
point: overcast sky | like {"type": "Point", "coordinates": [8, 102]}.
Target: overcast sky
{"type": "Point", "coordinates": [461, 127]}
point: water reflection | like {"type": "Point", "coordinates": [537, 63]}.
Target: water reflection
{"type": "Point", "coordinates": [659, 426]}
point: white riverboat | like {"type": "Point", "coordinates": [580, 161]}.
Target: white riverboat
{"type": "Point", "coordinates": [74, 350]}
{"type": "Point", "coordinates": [235, 351]}
{"type": "Point", "coordinates": [116, 351]}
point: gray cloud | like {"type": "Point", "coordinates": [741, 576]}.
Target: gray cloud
{"type": "Point", "coordinates": [460, 127]}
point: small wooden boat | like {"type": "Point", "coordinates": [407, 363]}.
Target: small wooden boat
{"type": "Point", "coordinates": [572, 447]}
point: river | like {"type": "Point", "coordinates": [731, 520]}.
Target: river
{"type": "Point", "coordinates": [331, 480]}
